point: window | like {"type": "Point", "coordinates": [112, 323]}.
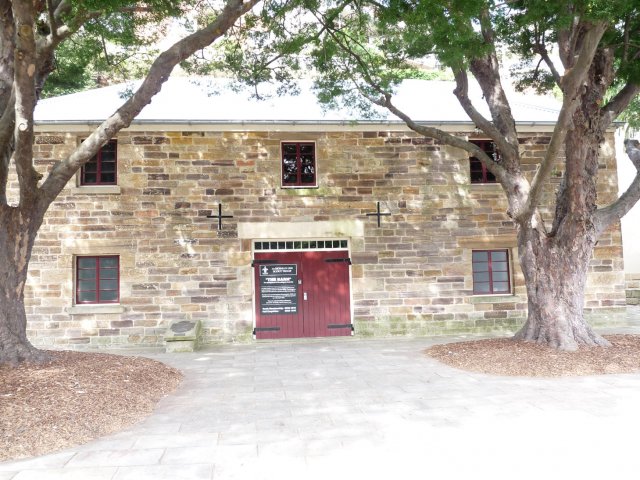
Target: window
{"type": "Point", "coordinates": [491, 272]}
{"type": "Point", "coordinates": [301, 245]}
{"type": "Point", "coordinates": [101, 169]}
{"type": "Point", "coordinates": [298, 165]}
{"type": "Point", "coordinates": [97, 279]}
{"type": "Point", "coordinates": [479, 173]}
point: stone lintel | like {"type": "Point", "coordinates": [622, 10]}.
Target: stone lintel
{"type": "Point", "coordinates": [488, 242]}
{"type": "Point", "coordinates": [323, 229]}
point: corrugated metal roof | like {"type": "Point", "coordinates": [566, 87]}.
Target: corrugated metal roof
{"type": "Point", "coordinates": [203, 100]}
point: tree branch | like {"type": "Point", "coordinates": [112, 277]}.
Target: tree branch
{"type": "Point", "coordinates": [61, 8]}
{"type": "Point", "coordinates": [572, 85]}
{"type": "Point", "coordinates": [159, 72]}
{"type": "Point", "coordinates": [355, 56]}
{"type": "Point", "coordinates": [486, 71]}
{"type": "Point", "coordinates": [385, 102]}
{"type": "Point", "coordinates": [25, 99]}
{"type": "Point", "coordinates": [6, 147]}
{"type": "Point", "coordinates": [51, 41]}
{"type": "Point", "coordinates": [618, 103]}
{"type": "Point", "coordinates": [542, 51]}
{"type": "Point", "coordinates": [574, 77]}
{"type": "Point", "coordinates": [462, 93]}
{"type": "Point", "coordinates": [7, 47]}
{"type": "Point", "coordinates": [498, 170]}
{"type": "Point", "coordinates": [7, 118]}
{"type": "Point", "coordinates": [45, 46]}
{"type": "Point", "coordinates": [7, 94]}
{"type": "Point", "coordinates": [625, 38]}
{"type": "Point", "coordinates": [53, 24]}
{"type": "Point", "coordinates": [567, 40]}
{"type": "Point", "coordinates": [605, 216]}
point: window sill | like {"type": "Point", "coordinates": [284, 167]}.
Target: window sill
{"type": "Point", "coordinates": [96, 190]}
{"type": "Point", "coordinates": [498, 298]}
{"type": "Point", "coordinates": [95, 309]}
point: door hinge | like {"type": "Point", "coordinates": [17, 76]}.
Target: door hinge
{"type": "Point", "coordinates": [337, 260]}
{"type": "Point", "coordinates": [345, 325]}
{"type": "Point", "coordinates": [266, 329]}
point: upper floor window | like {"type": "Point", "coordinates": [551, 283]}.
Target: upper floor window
{"type": "Point", "coordinates": [491, 272]}
{"type": "Point", "coordinates": [479, 173]}
{"type": "Point", "coordinates": [98, 279]}
{"type": "Point", "coordinates": [101, 169]}
{"type": "Point", "coordinates": [298, 164]}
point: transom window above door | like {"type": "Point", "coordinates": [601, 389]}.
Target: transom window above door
{"type": "Point", "coordinates": [280, 245]}
{"type": "Point", "coordinates": [299, 164]}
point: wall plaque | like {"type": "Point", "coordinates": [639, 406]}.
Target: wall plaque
{"type": "Point", "coordinates": [278, 289]}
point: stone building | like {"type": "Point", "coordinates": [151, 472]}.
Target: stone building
{"type": "Point", "coordinates": [272, 218]}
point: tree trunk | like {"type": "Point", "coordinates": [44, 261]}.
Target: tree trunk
{"type": "Point", "coordinates": [17, 235]}
{"type": "Point", "coordinates": [555, 264]}
{"type": "Point", "coordinates": [555, 272]}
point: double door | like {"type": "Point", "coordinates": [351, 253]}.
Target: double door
{"type": "Point", "coordinates": [302, 294]}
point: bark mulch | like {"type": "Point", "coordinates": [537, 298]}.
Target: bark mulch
{"type": "Point", "coordinates": [76, 398]}
{"type": "Point", "coordinates": [505, 356]}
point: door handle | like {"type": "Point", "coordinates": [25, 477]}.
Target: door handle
{"type": "Point", "coordinates": [304, 296]}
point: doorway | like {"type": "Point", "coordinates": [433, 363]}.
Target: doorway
{"type": "Point", "coordinates": [302, 294]}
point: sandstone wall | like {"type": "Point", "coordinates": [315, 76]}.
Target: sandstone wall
{"type": "Point", "coordinates": [410, 276]}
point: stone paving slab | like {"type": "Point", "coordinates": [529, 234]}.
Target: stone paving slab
{"type": "Point", "coordinates": [166, 472]}
{"type": "Point", "coordinates": [339, 409]}
{"type": "Point", "coordinates": [88, 473]}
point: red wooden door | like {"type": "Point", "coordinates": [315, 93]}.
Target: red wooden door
{"type": "Point", "coordinates": [326, 308]}
{"type": "Point", "coordinates": [302, 294]}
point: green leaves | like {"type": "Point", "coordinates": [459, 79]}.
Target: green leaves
{"type": "Point", "coordinates": [73, 70]}
{"type": "Point", "coordinates": [355, 51]}
{"type": "Point", "coordinates": [114, 42]}
{"type": "Point", "coordinates": [449, 30]}
{"type": "Point", "coordinates": [266, 46]}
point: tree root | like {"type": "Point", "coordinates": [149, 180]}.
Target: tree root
{"type": "Point", "coordinates": [16, 354]}
{"type": "Point", "coordinates": [562, 340]}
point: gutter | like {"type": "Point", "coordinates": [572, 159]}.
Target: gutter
{"type": "Point", "coordinates": [345, 123]}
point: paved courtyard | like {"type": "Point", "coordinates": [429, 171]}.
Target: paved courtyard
{"type": "Point", "coordinates": [366, 409]}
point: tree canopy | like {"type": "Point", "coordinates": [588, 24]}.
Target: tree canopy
{"type": "Point", "coordinates": [587, 51]}
{"type": "Point", "coordinates": [30, 35]}
{"type": "Point", "coordinates": [373, 45]}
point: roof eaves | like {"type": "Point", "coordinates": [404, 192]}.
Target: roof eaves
{"type": "Point", "coordinates": [95, 122]}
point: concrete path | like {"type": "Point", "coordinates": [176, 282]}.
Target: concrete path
{"type": "Point", "coordinates": [361, 409]}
